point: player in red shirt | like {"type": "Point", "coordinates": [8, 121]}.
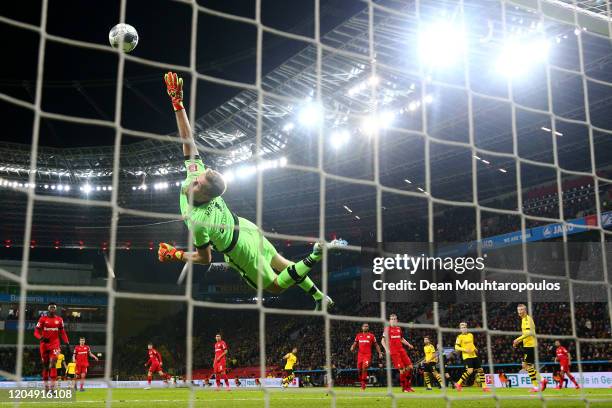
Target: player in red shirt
{"type": "Point", "coordinates": [48, 330]}
{"type": "Point", "coordinates": [364, 342]}
{"type": "Point", "coordinates": [219, 366]}
{"type": "Point", "coordinates": [563, 358]}
{"type": "Point", "coordinates": [155, 366]}
{"type": "Point", "coordinates": [81, 355]}
{"type": "Point", "coordinates": [393, 341]}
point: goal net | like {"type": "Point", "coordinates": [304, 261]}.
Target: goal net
{"type": "Point", "coordinates": [480, 128]}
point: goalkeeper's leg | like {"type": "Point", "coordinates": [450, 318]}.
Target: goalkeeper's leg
{"type": "Point", "coordinates": [280, 263]}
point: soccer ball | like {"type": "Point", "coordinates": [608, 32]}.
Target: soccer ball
{"type": "Point", "coordinates": [125, 32]}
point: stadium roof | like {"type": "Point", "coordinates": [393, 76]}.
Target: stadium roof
{"type": "Point", "coordinates": [231, 127]}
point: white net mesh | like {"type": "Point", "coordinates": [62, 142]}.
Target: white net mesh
{"type": "Point", "coordinates": [341, 67]}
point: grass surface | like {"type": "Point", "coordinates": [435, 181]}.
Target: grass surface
{"type": "Point", "coordinates": [317, 397]}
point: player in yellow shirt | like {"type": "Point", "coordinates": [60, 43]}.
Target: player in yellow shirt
{"type": "Point", "coordinates": [528, 338]}
{"type": "Point", "coordinates": [469, 355]}
{"type": "Point", "coordinates": [60, 366]}
{"type": "Point", "coordinates": [430, 364]}
{"type": "Point", "coordinates": [71, 372]}
{"type": "Point", "coordinates": [291, 360]}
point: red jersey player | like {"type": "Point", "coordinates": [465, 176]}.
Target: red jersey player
{"type": "Point", "coordinates": [393, 341]}
{"type": "Point", "coordinates": [219, 366]}
{"type": "Point", "coordinates": [82, 352]}
{"type": "Point", "coordinates": [48, 330]}
{"type": "Point", "coordinates": [364, 342]}
{"type": "Point", "coordinates": [563, 358]}
{"type": "Point", "coordinates": [155, 366]}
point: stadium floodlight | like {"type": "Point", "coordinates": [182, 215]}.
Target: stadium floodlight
{"type": "Point", "coordinates": [228, 176]}
{"type": "Point", "coordinates": [245, 171]}
{"type": "Point", "coordinates": [412, 106]}
{"type": "Point", "coordinates": [339, 138]}
{"type": "Point", "coordinates": [371, 123]}
{"type": "Point", "coordinates": [544, 128]}
{"type": "Point", "coordinates": [311, 114]}
{"type": "Point", "coordinates": [87, 188]}
{"type": "Point", "coordinates": [519, 57]}
{"type": "Point", "coordinates": [66, 188]}
{"type": "Point", "coordinates": [288, 127]}
{"type": "Point", "coordinates": [441, 44]}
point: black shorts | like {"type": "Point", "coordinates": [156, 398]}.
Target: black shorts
{"type": "Point", "coordinates": [529, 355]}
{"type": "Point", "coordinates": [430, 367]}
{"type": "Point", "coordinates": [71, 376]}
{"type": "Point", "coordinates": [288, 372]}
{"type": "Point", "coordinates": [61, 372]}
{"type": "Point", "coordinates": [473, 362]}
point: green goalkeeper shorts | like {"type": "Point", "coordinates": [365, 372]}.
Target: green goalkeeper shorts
{"type": "Point", "coordinates": [244, 257]}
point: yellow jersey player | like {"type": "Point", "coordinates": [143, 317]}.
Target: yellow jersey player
{"type": "Point", "coordinates": [469, 355]}
{"type": "Point", "coordinates": [71, 372]}
{"type": "Point", "coordinates": [430, 364]}
{"type": "Point", "coordinates": [291, 360]}
{"type": "Point", "coordinates": [529, 344]}
{"type": "Point", "coordinates": [60, 366]}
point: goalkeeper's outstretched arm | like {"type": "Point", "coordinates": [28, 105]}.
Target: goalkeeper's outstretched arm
{"type": "Point", "coordinates": [174, 87]}
{"type": "Point", "coordinates": [168, 253]}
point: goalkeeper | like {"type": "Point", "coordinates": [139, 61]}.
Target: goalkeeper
{"type": "Point", "coordinates": [214, 225]}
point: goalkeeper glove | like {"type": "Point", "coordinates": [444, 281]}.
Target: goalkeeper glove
{"type": "Point", "coordinates": [168, 253]}
{"type": "Point", "coordinates": [174, 86]}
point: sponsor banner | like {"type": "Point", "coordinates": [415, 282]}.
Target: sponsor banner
{"type": "Point", "coordinates": [531, 235]}
{"type": "Point", "coordinates": [61, 300]}
{"type": "Point", "coordinates": [606, 219]}
{"type": "Point", "coordinates": [244, 383]}
{"type": "Point", "coordinates": [12, 325]}
{"type": "Point", "coordinates": [601, 379]}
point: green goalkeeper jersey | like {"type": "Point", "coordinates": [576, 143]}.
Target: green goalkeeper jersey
{"type": "Point", "coordinates": [210, 223]}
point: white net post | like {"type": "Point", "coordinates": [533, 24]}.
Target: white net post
{"type": "Point", "coordinates": [593, 164]}
{"type": "Point", "coordinates": [110, 318]}
{"type": "Point", "coordinates": [31, 195]}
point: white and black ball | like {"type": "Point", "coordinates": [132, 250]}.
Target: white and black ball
{"type": "Point", "coordinates": [125, 32]}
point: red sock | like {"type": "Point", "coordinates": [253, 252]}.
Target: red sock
{"type": "Point", "coordinates": [226, 380]}
{"type": "Point", "coordinates": [45, 375]}
{"type": "Point", "coordinates": [402, 378]}
{"type": "Point", "coordinates": [218, 381]}
{"type": "Point", "coordinates": [572, 379]}
{"type": "Point", "coordinates": [53, 374]}
{"type": "Point", "coordinates": [149, 378]}
{"type": "Point", "coordinates": [408, 376]}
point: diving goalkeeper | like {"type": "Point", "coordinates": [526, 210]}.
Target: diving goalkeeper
{"type": "Point", "coordinates": [215, 226]}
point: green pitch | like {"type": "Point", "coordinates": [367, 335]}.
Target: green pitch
{"type": "Point", "coordinates": [317, 397]}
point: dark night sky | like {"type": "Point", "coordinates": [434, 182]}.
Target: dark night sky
{"type": "Point", "coordinates": [82, 82]}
